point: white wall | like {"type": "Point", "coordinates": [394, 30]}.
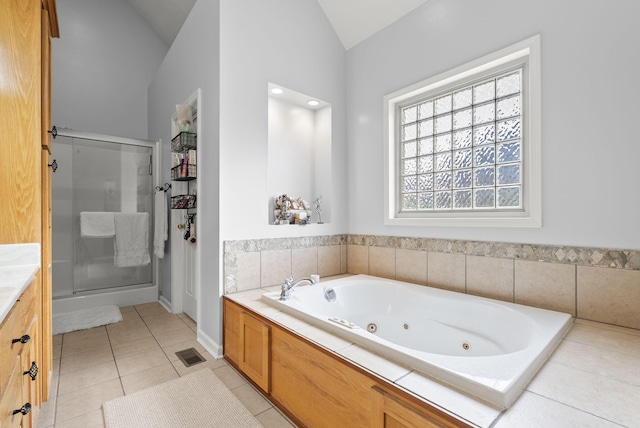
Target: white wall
{"type": "Point", "coordinates": [590, 108]}
{"type": "Point", "coordinates": [192, 63]}
{"type": "Point", "coordinates": [291, 155]}
{"type": "Point", "coordinates": [290, 42]}
{"type": "Point", "coordinates": [103, 63]}
{"type": "Point", "coordinates": [286, 41]}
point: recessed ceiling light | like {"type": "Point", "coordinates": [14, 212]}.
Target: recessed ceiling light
{"type": "Point", "coordinates": [313, 103]}
{"type": "Point", "coordinates": [276, 91]}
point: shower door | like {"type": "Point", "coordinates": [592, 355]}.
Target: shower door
{"type": "Point", "coordinates": [105, 176]}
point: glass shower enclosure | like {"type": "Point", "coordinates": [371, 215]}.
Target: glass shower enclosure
{"type": "Point", "coordinates": [98, 174]}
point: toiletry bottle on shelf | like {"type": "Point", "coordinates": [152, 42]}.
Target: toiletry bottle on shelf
{"type": "Point", "coordinates": [185, 166]}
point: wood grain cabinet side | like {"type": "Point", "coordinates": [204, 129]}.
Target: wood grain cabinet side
{"type": "Point", "coordinates": [231, 331]}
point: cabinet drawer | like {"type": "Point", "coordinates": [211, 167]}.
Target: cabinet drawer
{"type": "Point", "coordinates": [30, 386]}
{"type": "Point", "coordinates": [11, 398]}
{"type": "Point", "coordinates": [15, 325]}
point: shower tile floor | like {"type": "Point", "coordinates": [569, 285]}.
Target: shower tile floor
{"type": "Point", "coordinates": [97, 365]}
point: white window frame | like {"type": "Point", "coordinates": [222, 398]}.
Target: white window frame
{"type": "Point", "coordinates": [525, 54]}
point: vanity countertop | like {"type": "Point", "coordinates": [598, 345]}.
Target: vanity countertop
{"type": "Point", "coordinates": [590, 380]}
{"type": "Point", "coordinates": [18, 265]}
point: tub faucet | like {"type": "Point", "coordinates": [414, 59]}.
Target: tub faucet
{"type": "Point", "coordinates": [289, 285]}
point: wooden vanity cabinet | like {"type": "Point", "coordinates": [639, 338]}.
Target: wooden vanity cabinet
{"type": "Point", "coordinates": [25, 148]}
{"type": "Point", "coordinates": [316, 387]}
{"type": "Point", "coordinates": [19, 360]}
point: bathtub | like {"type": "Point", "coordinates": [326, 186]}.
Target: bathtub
{"type": "Point", "coordinates": [483, 347]}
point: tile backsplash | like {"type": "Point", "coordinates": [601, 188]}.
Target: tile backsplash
{"type": "Point", "coordinates": [256, 263]}
{"type": "Point", "coordinates": [590, 283]}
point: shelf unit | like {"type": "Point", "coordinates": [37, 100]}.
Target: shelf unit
{"type": "Point", "coordinates": [184, 148]}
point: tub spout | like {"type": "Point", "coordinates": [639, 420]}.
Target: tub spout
{"type": "Point", "coordinates": [290, 284]}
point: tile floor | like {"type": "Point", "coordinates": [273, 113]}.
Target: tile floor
{"type": "Point", "coordinates": [97, 365]}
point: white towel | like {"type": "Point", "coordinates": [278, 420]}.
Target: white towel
{"type": "Point", "coordinates": [131, 246]}
{"type": "Point", "coordinates": [96, 224]}
{"type": "Point", "coordinates": [161, 227]}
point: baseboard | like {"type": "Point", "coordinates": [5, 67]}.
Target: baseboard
{"type": "Point", "coordinates": [209, 344]}
{"type": "Point", "coordinates": [165, 303]}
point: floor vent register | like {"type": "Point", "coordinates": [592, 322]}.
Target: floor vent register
{"type": "Point", "coordinates": [190, 357]}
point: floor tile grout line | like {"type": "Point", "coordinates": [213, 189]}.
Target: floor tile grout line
{"type": "Point", "coordinates": [109, 339]}
{"type": "Point", "coordinates": [55, 406]}
{"type": "Point", "coordinates": [114, 360]}
{"type": "Point", "coordinates": [158, 343]}
{"type": "Point", "coordinates": [161, 348]}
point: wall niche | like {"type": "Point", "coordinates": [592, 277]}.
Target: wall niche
{"type": "Point", "coordinates": [299, 152]}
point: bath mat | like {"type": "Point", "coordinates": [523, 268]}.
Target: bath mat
{"type": "Point", "coordinates": [85, 318]}
{"type": "Point", "coordinates": [199, 399]}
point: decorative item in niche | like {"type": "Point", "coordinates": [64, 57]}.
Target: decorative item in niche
{"type": "Point", "coordinates": [317, 202]}
{"type": "Point", "coordinates": [291, 210]}
{"type": "Point", "coordinates": [185, 115]}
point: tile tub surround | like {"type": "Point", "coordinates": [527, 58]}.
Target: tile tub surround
{"type": "Point", "coordinates": [591, 283]}
{"type": "Point", "coordinates": [590, 380]}
{"type": "Point", "coordinates": [257, 263]}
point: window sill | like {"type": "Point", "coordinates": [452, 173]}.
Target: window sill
{"type": "Point", "coordinates": [498, 220]}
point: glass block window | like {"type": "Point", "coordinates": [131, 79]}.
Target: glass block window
{"type": "Point", "coordinates": [462, 150]}
{"type": "Point", "coordinates": [463, 147]}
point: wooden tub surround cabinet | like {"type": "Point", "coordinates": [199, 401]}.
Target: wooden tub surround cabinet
{"type": "Point", "coordinates": [313, 386]}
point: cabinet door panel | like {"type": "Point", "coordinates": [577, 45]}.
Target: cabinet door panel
{"type": "Point", "coordinates": [319, 390]}
{"type": "Point", "coordinates": [12, 398]}
{"type": "Point", "coordinates": [20, 121]}
{"type": "Point", "coordinates": [254, 340]}
{"type": "Point", "coordinates": [391, 412]}
{"type": "Point", "coordinates": [14, 326]}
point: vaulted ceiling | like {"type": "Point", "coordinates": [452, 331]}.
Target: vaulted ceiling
{"type": "Point", "coordinates": [353, 20]}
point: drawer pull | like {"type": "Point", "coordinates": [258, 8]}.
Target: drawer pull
{"type": "Point", "coordinates": [24, 339]}
{"type": "Point", "coordinates": [24, 409]}
{"type": "Point", "coordinates": [32, 372]}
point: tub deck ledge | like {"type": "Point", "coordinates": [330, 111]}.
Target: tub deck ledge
{"type": "Point", "coordinates": [589, 380]}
